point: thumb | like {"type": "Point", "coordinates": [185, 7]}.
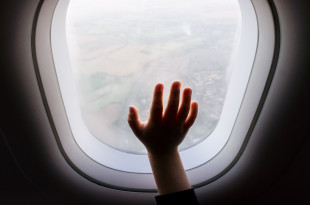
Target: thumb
{"type": "Point", "coordinates": [134, 122]}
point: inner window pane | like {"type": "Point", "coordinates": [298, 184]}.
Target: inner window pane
{"type": "Point", "coordinates": [119, 50]}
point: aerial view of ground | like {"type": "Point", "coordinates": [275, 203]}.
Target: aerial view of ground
{"type": "Point", "coordinates": [118, 54]}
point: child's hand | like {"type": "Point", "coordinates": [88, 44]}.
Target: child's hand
{"type": "Point", "coordinates": [163, 132]}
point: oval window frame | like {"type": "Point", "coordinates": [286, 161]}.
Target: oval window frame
{"type": "Point", "coordinates": [126, 178]}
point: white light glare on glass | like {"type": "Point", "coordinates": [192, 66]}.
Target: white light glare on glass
{"type": "Point", "coordinates": [119, 50]}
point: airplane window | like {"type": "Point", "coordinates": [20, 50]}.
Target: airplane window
{"type": "Point", "coordinates": [119, 49]}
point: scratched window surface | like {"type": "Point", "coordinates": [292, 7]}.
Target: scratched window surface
{"type": "Point", "coordinates": [120, 49]}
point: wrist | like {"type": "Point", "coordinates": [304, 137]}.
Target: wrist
{"type": "Point", "coordinates": [169, 172]}
{"type": "Point", "coordinates": [163, 153]}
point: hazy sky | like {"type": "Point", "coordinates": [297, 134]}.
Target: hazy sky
{"type": "Point", "coordinates": [82, 9]}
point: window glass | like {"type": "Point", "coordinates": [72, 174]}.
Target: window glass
{"type": "Point", "coordinates": [119, 50]}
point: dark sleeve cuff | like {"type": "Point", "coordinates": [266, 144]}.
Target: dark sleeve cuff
{"type": "Point", "coordinates": [186, 197]}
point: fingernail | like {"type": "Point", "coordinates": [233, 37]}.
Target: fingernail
{"type": "Point", "coordinates": [177, 85]}
{"type": "Point", "coordinates": [188, 92]}
{"type": "Point", "coordinates": [131, 110]}
{"type": "Point", "coordinates": [159, 87]}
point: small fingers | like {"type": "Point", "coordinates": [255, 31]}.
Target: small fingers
{"type": "Point", "coordinates": [185, 106]}
{"type": "Point", "coordinates": [156, 111]}
{"type": "Point", "coordinates": [192, 116]}
{"type": "Point", "coordinates": [134, 122]}
{"type": "Point", "coordinates": [173, 102]}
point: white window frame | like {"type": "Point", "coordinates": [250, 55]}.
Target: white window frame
{"type": "Point", "coordinates": [112, 168]}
